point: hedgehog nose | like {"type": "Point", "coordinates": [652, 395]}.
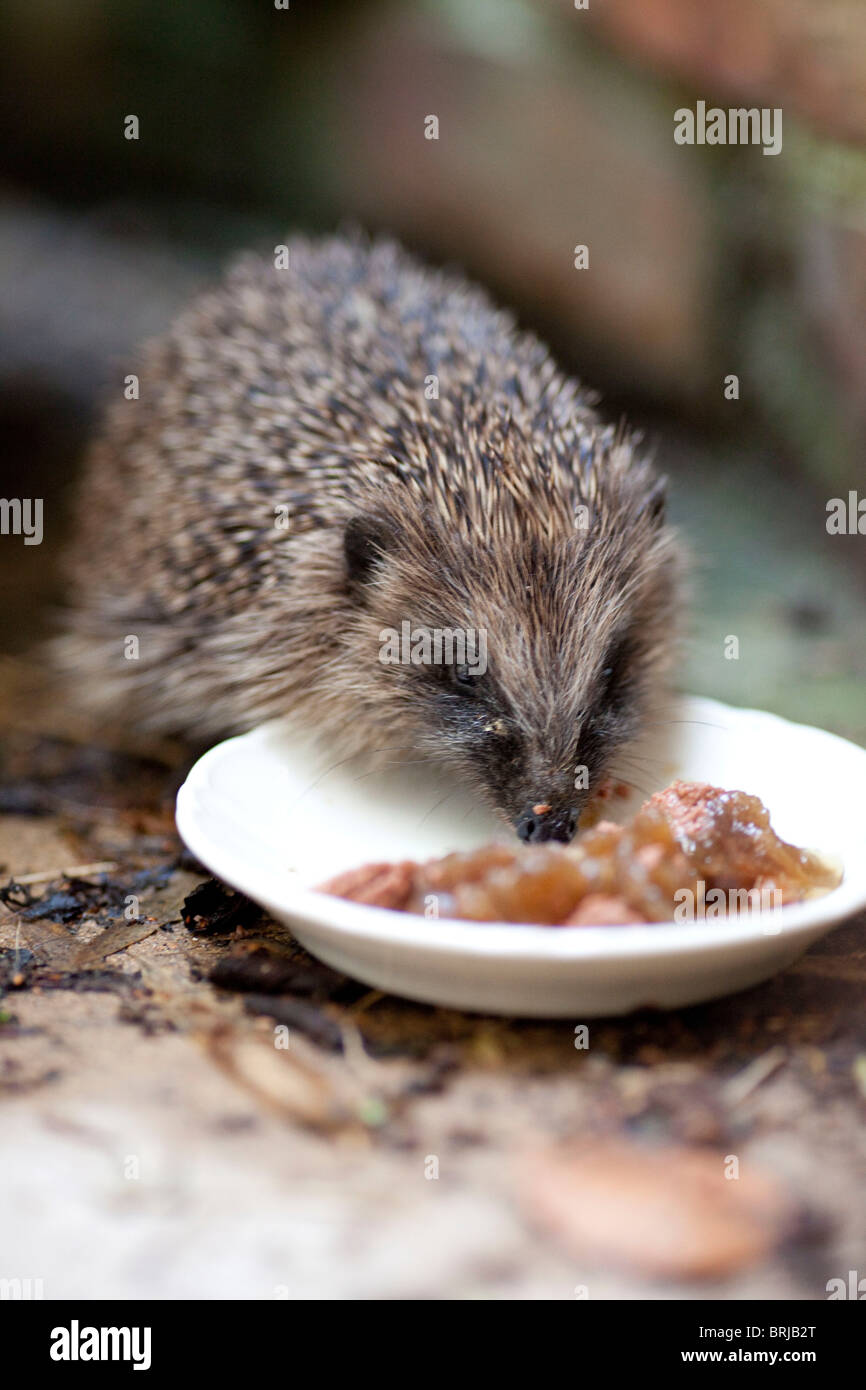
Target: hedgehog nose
{"type": "Point", "coordinates": [540, 822]}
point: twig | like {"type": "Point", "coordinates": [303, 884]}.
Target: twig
{"type": "Point", "coordinates": [366, 1002]}
{"type": "Point", "coordinates": [106, 866]}
{"type": "Point", "coordinates": [741, 1086]}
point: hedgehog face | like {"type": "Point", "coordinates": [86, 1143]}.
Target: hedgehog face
{"type": "Point", "coordinates": [537, 749]}
{"type": "Point", "coordinates": [549, 659]}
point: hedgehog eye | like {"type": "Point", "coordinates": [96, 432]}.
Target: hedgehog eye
{"type": "Point", "coordinates": [366, 540]}
{"type": "Point", "coordinates": [465, 680]}
{"type": "Point", "coordinates": [614, 672]}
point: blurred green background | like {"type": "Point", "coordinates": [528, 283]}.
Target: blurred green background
{"type": "Point", "coordinates": [555, 129]}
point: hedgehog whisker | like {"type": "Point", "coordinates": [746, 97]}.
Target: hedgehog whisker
{"type": "Point", "coordinates": [638, 759]}
{"type": "Point", "coordinates": [641, 769]}
{"type": "Point", "coordinates": [633, 786]}
{"type": "Point", "coordinates": [440, 802]}
{"type": "Point", "coordinates": [363, 753]}
{"type": "Point", "coordinates": [699, 723]}
{"type": "Point", "coordinates": [388, 767]}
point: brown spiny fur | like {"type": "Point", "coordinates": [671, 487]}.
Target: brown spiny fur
{"type": "Point", "coordinates": [304, 389]}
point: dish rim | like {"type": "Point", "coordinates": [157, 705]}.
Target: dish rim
{"type": "Point", "coordinates": [277, 890]}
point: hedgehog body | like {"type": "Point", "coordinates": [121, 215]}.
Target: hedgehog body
{"type": "Point", "coordinates": [322, 453]}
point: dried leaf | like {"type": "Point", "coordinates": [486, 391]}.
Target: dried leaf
{"type": "Point", "coordinates": [90, 954]}
{"type": "Point", "coordinates": [281, 1078]}
{"type": "Point", "coordinates": [670, 1212]}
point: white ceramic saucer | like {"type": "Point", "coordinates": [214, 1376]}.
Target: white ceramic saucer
{"type": "Point", "coordinates": [266, 815]}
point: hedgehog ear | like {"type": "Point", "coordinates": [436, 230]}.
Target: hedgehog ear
{"type": "Point", "coordinates": [654, 505]}
{"type": "Point", "coordinates": [365, 541]}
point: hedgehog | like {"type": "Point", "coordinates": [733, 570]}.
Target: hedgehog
{"type": "Point", "coordinates": [324, 451]}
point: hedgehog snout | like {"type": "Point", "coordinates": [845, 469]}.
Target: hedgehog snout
{"type": "Point", "coordinates": [540, 822]}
